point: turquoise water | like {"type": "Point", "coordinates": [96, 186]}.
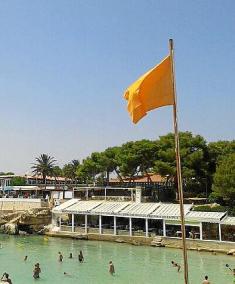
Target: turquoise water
{"type": "Point", "coordinates": [133, 264]}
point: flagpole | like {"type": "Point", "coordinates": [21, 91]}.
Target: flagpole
{"type": "Point", "coordinates": [178, 165]}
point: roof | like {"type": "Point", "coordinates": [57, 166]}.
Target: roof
{"type": "Point", "coordinates": [67, 204]}
{"type": "Point", "coordinates": [120, 208]}
{"type": "Point", "coordinates": [170, 211]}
{"type": "Point", "coordinates": [139, 209]}
{"type": "Point", "coordinates": [146, 178]}
{"type": "Point", "coordinates": [82, 207]}
{"type": "Point", "coordinates": [211, 217]}
{"type": "Point", "coordinates": [228, 221]}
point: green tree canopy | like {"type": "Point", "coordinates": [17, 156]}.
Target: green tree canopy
{"type": "Point", "coordinates": [70, 170]}
{"type": "Point", "coordinates": [17, 181]}
{"type": "Point", "coordinates": [224, 178]}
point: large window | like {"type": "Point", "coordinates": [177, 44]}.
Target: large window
{"type": "Point", "coordinates": [210, 231]}
{"type": "Point", "coordinates": [107, 224]}
{"type": "Point", "coordinates": [122, 226]}
{"type": "Point", "coordinates": [79, 223]}
{"type": "Point", "coordinates": [138, 227]}
{"type": "Point", "coordinates": [228, 233]}
{"type": "Point", "coordinates": [66, 222]}
{"type": "Point", "coordinates": [155, 227]}
{"type": "Point", "coordinates": [192, 232]}
{"type": "Point", "coordinates": [93, 224]}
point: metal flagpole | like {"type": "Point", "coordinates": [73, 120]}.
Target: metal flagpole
{"type": "Point", "coordinates": [178, 165]}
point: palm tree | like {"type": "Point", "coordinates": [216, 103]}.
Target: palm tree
{"type": "Point", "coordinates": [44, 166]}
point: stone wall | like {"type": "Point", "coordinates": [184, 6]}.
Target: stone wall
{"type": "Point", "coordinates": [19, 204]}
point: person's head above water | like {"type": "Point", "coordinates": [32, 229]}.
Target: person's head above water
{"type": "Point", "coordinates": [206, 277]}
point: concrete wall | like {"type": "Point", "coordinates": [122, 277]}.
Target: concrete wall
{"type": "Point", "coordinates": [19, 204]}
{"type": "Point", "coordinates": [209, 246]}
{"type": "Point", "coordinates": [200, 245]}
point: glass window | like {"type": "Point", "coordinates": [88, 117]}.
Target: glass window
{"type": "Point", "coordinates": [210, 231]}
{"type": "Point", "coordinates": [228, 233]}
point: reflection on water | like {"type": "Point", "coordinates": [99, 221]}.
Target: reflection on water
{"type": "Point", "coordinates": [138, 265]}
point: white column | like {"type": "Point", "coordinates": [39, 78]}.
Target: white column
{"type": "Point", "coordinates": [146, 228]}
{"type": "Point", "coordinates": [72, 222]}
{"type": "Point", "coordinates": [114, 225]}
{"type": "Point", "coordinates": [164, 227]}
{"type": "Point", "coordinates": [220, 239]}
{"type": "Point", "coordinates": [85, 224]}
{"type": "Point", "coordinates": [130, 226]}
{"type": "Point", "coordinates": [200, 231]}
{"type": "Point", "coordinates": [100, 224]}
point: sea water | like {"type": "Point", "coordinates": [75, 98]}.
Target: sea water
{"type": "Point", "coordinates": [133, 264]}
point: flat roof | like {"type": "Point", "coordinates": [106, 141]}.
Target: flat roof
{"type": "Point", "coordinates": [159, 210]}
{"type": "Point", "coordinates": [170, 211]}
{"type": "Point", "coordinates": [211, 217]}
{"type": "Point", "coordinates": [228, 221]}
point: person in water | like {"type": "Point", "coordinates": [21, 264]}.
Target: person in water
{"type": "Point", "coordinates": [70, 255]}
{"type": "Point", "coordinates": [36, 271]}
{"type": "Point", "coordinates": [206, 281]}
{"type": "Point", "coordinates": [25, 258]}
{"type": "Point", "coordinates": [5, 278]}
{"type": "Point", "coordinates": [174, 264]}
{"type": "Point", "coordinates": [67, 274]}
{"type": "Point", "coordinates": [60, 256]}
{"type": "Point", "coordinates": [111, 268]}
{"type": "Point", "coordinates": [80, 257]}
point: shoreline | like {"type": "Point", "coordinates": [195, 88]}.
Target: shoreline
{"type": "Point", "coordinates": [195, 245]}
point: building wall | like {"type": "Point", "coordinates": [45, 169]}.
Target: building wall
{"type": "Point", "coordinates": [17, 204]}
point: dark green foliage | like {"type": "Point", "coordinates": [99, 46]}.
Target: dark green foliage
{"type": "Point", "coordinates": [224, 178]}
{"type": "Point", "coordinates": [17, 181]}
{"type": "Point", "coordinates": [207, 208]}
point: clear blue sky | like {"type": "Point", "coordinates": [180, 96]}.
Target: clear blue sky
{"type": "Point", "coordinates": [64, 66]}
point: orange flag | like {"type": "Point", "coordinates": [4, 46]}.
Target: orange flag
{"type": "Point", "coordinates": [152, 90]}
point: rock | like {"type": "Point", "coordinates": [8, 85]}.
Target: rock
{"type": "Point", "coordinates": [231, 252]}
{"type": "Point", "coordinates": [135, 243]}
{"type": "Point", "coordinates": [119, 241]}
{"type": "Point", "coordinates": [29, 221]}
{"type": "Point", "coordinates": [23, 233]}
{"type": "Point", "coordinates": [11, 229]}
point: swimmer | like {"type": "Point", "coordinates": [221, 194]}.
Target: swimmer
{"type": "Point", "coordinates": [5, 278]}
{"type": "Point", "coordinates": [25, 258]}
{"type": "Point", "coordinates": [206, 281]}
{"type": "Point", "coordinates": [81, 257]}
{"type": "Point", "coordinates": [60, 256]}
{"type": "Point", "coordinates": [111, 268]}
{"type": "Point", "coordinates": [70, 255]}
{"type": "Point", "coordinates": [67, 274]}
{"type": "Point", "coordinates": [36, 271]}
{"type": "Point", "coordinates": [176, 265]}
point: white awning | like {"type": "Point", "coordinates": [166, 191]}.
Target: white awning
{"type": "Point", "coordinates": [211, 217]}
{"type": "Point", "coordinates": [65, 205]}
{"type": "Point", "coordinates": [139, 209]}
{"type": "Point", "coordinates": [110, 208]}
{"type": "Point", "coordinates": [228, 221]}
{"type": "Point", "coordinates": [82, 207]}
{"type": "Point", "coordinates": [169, 211]}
